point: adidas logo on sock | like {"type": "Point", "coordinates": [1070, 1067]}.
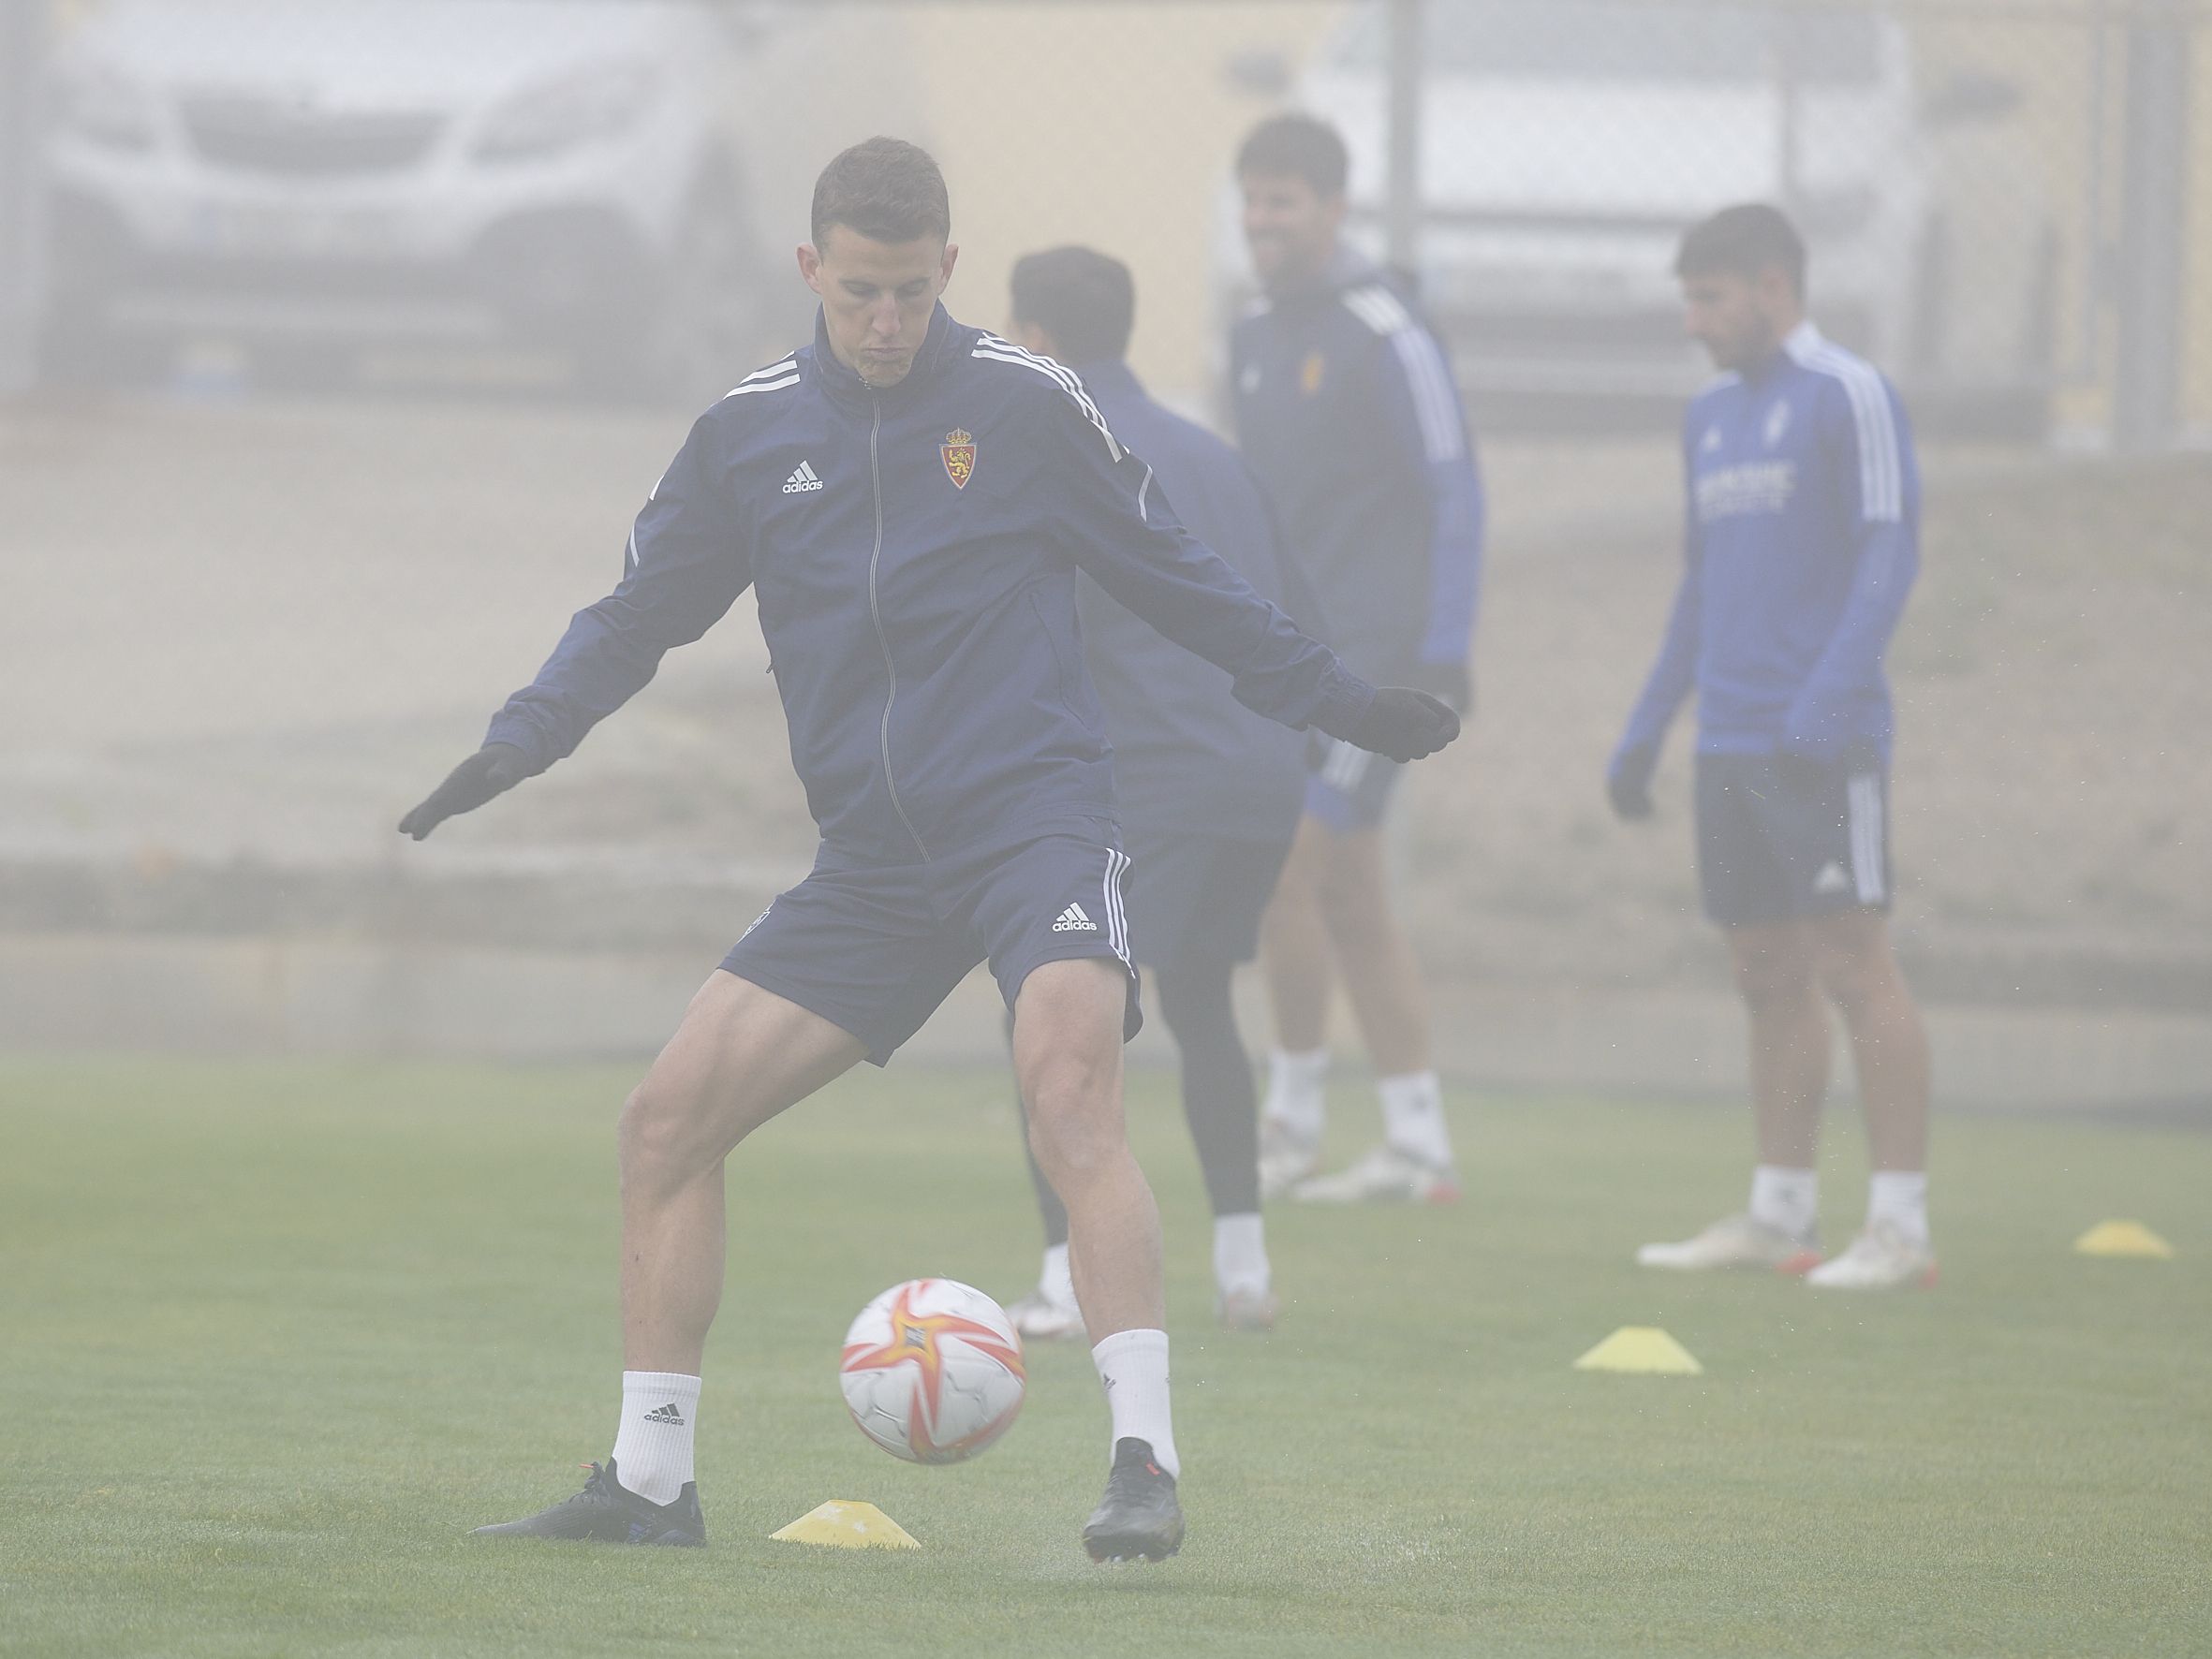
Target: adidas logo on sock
{"type": "Point", "coordinates": [1072, 920]}
{"type": "Point", "coordinates": [805, 480]}
{"type": "Point", "coordinates": [665, 1415]}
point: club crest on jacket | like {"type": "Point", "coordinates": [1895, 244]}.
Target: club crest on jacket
{"type": "Point", "coordinates": [959, 450]}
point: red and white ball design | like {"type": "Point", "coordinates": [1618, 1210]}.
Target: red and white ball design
{"type": "Point", "coordinates": [932, 1371]}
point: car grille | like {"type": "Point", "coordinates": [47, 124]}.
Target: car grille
{"type": "Point", "coordinates": [267, 138]}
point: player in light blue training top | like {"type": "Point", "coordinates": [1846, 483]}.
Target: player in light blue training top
{"type": "Point", "coordinates": [1801, 543]}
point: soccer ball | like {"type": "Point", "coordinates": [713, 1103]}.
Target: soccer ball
{"type": "Point", "coordinates": [932, 1371]}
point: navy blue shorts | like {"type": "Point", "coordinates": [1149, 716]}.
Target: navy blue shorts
{"type": "Point", "coordinates": [1782, 839]}
{"type": "Point", "coordinates": [1348, 788]}
{"type": "Point", "coordinates": [1198, 898]}
{"type": "Point", "coordinates": [874, 948]}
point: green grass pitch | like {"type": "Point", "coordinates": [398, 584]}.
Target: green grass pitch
{"type": "Point", "coordinates": [272, 1337]}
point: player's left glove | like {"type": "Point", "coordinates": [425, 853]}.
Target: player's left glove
{"type": "Point", "coordinates": [1449, 683]}
{"type": "Point", "coordinates": [493, 769]}
{"type": "Point", "coordinates": [1628, 781]}
{"type": "Point", "coordinates": [1405, 724]}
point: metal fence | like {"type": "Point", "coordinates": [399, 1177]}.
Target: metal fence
{"type": "Point", "coordinates": [1998, 194]}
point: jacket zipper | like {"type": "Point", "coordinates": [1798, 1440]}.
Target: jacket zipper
{"type": "Point", "coordinates": [876, 611]}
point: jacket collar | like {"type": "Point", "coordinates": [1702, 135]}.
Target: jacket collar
{"type": "Point", "coordinates": [1346, 268]}
{"type": "Point", "coordinates": [844, 385]}
{"type": "Point", "coordinates": [1795, 347]}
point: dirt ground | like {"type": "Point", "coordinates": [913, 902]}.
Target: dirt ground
{"type": "Point", "coordinates": [258, 632]}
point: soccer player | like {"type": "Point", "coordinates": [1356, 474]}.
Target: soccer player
{"type": "Point", "coordinates": [1346, 410]}
{"type": "Point", "coordinates": [1209, 791]}
{"type": "Point", "coordinates": [1801, 543]}
{"type": "Point", "coordinates": [912, 501]}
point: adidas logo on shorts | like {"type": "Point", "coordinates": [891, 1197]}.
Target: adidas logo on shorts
{"type": "Point", "coordinates": [805, 480]}
{"type": "Point", "coordinates": [1072, 920]}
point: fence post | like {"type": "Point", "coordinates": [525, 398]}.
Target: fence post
{"type": "Point", "coordinates": [2154, 219]}
{"type": "Point", "coordinates": [1402, 202]}
{"type": "Point", "coordinates": [22, 29]}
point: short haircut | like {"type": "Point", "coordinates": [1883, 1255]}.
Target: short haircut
{"type": "Point", "coordinates": [1085, 299]}
{"type": "Point", "coordinates": [1298, 146]}
{"type": "Point", "coordinates": [1743, 241]}
{"type": "Point", "coordinates": [886, 189]}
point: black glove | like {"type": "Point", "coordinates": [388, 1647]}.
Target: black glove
{"type": "Point", "coordinates": [1405, 724]}
{"type": "Point", "coordinates": [1628, 781]}
{"type": "Point", "coordinates": [1451, 683]}
{"type": "Point", "coordinates": [493, 769]}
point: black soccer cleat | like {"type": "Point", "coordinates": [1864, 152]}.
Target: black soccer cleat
{"type": "Point", "coordinates": [608, 1512]}
{"type": "Point", "coordinates": [1138, 1518]}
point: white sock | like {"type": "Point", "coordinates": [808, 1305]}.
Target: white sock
{"type": "Point", "coordinates": [1056, 1283]}
{"type": "Point", "coordinates": [1297, 1085]}
{"type": "Point", "coordinates": [1413, 1117]}
{"type": "Point", "coordinates": [1133, 1365]}
{"type": "Point", "coordinates": [1901, 1197]}
{"type": "Point", "coordinates": [1785, 1200]}
{"type": "Point", "coordinates": [1239, 1255]}
{"type": "Point", "coordinates": [652, 1446]}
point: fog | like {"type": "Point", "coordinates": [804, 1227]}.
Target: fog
{"type": "Point", "coordinates": [352, 336]}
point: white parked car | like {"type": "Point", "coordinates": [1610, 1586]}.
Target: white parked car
{"type": "Point", "coordinates": [550, 174]}
{"type": "Point", "coordinates": [1565, 144]}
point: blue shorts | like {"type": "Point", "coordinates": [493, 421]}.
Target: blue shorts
{"type": "Point", "coordinates": [1348, 788]}
{"type": "Point", "coordinates": [1782, 839]}
{"type": "Point", "coordinates": [1197, 899]}
{"type": "Point", "coordinates": [874, 948]}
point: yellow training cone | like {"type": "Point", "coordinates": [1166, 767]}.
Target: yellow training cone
{"type": "Point", "coordinates": [1641, 1348]}
{"type": "Point", "coordinates": [844, 1524]}
{"type": "Point", "coordinates": [2123, 1238]}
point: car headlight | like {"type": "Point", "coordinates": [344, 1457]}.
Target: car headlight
{"type": "Point", "coordinates": [104, 107]}
{"type": "Point", "coordinates": [576, 108]}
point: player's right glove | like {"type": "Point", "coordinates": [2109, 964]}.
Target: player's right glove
{"type": "Point", "coordinates": [1628, 781]}
{"type": "Point", "coordinates": [1451, 682]}
{"type": "Point", "coordinates": [493, 769]}
{"type": "Point", "coordinates": [1405, 724]}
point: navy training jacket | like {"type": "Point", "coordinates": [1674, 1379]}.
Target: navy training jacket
{"type": "Point", "coordinates": [915, 552]}
{"type": "Point", "coordinates": [1346, 410]}
{"type": "Point", "coordinates": [1188, 759]}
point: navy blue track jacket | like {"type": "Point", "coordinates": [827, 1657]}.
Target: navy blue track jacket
{"type": "Point", "coordinates": [1346, 410]}
{"type": "Point", "coordinates": [915, 551]}
{"type": "Point", "coordinates": [1187, 760]}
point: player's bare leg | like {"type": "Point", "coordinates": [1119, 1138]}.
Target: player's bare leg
{"type": "Point", "coordinates": [1295, 962]}
{"type": "Point", "coordinates": [1067, 1049]}
{"type": "Point", "coordinates": [741, 1055]}
{"type": "Point", "coordinates": [1388, 998]}
{"type": "Point", "coordinates": [1859, 971]}
{"type": "Point", "coordinates": [1775, 975]}
{"type": "Point", "coordinates": [1294, 944]}
{"type": "Point", "coordinates": [1067, 1039]}
{"type": "Point", "coordinates": [1774, 965]}
{"type": "Point", "coordinates": [1381, 975]}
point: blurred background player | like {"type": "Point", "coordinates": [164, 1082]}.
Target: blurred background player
{"type": "Point", "coordinates": [1209, 791]}
{"type": "Point", "coordinates": [1801, 543]}
{"type": "Point", "coordinates": [1346, 410]}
